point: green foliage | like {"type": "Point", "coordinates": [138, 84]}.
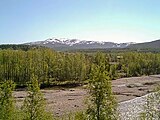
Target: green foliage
{"type": "Point", "coordinates": [34, 104]}
{"type": "Point", "coordinates": [56, 67]}
{"type": "Point", "coordinates": [102, 104]}
{"type": "Point", "coordinates": [80, 116]}
{"type": "Point", "coordinates": [137, 64]}
{"type": "Point", "coordinates": [7, 108]}
{"type": "Point", "coordinates": [49, 66]}
{"type": "Point", "coordinates": [113, 72]}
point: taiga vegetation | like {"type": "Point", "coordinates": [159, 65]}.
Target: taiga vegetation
{"type": "Point", "coordinates": [35, 68]}
{"type": "Point", "coordinates": [57, 68]}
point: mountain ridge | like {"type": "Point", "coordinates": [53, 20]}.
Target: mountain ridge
{"type": "Point", "coordinates": [63, 44]}
{"type": "Point", "coordinates": [153, 45]}
{"type": "Point", "coordinates": [68, 44]}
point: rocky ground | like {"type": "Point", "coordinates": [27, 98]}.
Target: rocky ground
{"type": "Point", "coordinates": [131, 109]}
{"type": "Point", "coordinates": [128, 92]}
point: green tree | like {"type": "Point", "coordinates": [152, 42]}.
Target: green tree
{"type": "Point", "coordinates": [34, 104]}
{"type": "Point", "coordinates": [7, 108]}
{"type": "Point", "coordinates": [102, 104]}
{"type": "Point", "coordinates": [113, 72]}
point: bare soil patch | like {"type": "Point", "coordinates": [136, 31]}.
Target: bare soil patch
{"type": "Point", "coordinates": [65, 100]}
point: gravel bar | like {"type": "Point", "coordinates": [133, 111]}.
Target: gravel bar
{"type": "Point", "coordinates": [130, 110]}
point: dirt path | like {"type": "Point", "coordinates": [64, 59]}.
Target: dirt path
{"type": "Point", "coordinates": [63, 101]}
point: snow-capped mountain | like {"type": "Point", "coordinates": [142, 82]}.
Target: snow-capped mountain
{"type": "Point", "coordinates": [68, 44]}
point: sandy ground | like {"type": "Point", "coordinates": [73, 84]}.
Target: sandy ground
{"type": "Point", "coordinates": [62, 101]}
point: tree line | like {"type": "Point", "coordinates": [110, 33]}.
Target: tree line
{"type": "Point", "coordinates": [138, 64]}
{"type": "Point", "coordinates": [48, 65]}
{"type": "Point", "coordinates": [19, 47]}
{"type": "Point", "coordinates": [53, 67]}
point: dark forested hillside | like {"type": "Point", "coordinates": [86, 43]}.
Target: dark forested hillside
{"type": "Point", "coordinates": [153, 45]}
{"type": "Point", "coordinates": [19, 47]}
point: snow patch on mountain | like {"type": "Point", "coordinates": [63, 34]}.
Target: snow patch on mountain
{"type": "Point", "coordinates": [70, 42]}
{"type": "Point", "coordinates": [78, 44]}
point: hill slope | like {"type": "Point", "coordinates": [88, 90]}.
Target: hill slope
{"type": "Point", "coordinates": [150, 45]}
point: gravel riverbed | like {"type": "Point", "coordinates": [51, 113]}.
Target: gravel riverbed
{"type": "Point", "coordinates": [129, 92]}
{"type": "Point", "coordinates": [131, 109]}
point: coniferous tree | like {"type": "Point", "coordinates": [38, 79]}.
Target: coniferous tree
{"type": "Point", "coordinates": [34, 105]}
{"type": "Point", "coordinates": [7, 108]}
{"type": "Point", "coordinates": [102, 104]}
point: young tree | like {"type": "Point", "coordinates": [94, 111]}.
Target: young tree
{"type": "Point", "coordinates": [7, 108]}
{"type": "Point", "coordinates": [34, 104]}
{"type": "Point", "coordinates": [102, 104]}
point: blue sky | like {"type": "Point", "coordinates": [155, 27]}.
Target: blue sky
{"type": "Point", "coordinates": [100, 20]}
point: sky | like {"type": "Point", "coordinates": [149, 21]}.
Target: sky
{"type": "Point", "coordinates": [118, 21]}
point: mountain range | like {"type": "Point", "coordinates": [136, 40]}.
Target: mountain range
{"type": "Point", "coordinates": [62, 44]}
{"type": "Point", "coordinates": [71, 44]}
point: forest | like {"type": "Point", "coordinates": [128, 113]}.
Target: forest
{"type": "Point", "coordinates": [43, 67]}
{"type": "Point", "coordinates": [58, 68]}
